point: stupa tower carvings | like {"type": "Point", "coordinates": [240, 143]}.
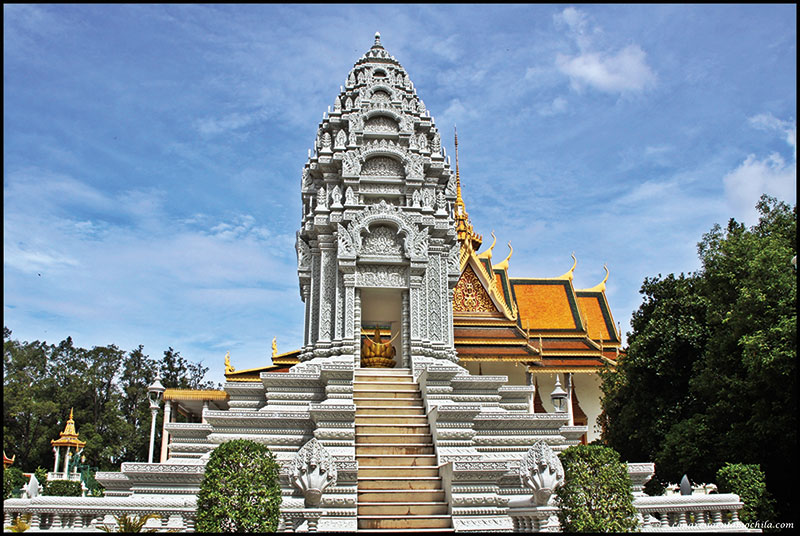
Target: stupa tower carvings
{"type": "Point", "coordinates": [377, 245]}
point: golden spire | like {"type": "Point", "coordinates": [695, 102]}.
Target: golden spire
{"type": "Point", "coordinates": [464, 230]}
{"type": "Point", "coordinates": [274, 346]}
{"type": "Point", "coordinates": [228, 367]}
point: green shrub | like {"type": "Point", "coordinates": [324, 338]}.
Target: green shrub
{"type": "Point", "coordinates": [596, 495]}
{"type": "Point", "coordinates": [131, 523]}
{"type": "Point", "coordinates": [64, 488]}
{"type": "Point", "coordinates": [13, 479]}
{"type": "Point", "coordinates": [241, 490]}
{"type": "Point", "coordinates": [747, 481]}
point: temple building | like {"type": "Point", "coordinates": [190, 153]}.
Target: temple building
{"type": "Point", "coordinates": [432, 390]}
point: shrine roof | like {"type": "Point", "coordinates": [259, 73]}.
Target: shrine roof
{"type": "Point", "coordinates": [546, 304]}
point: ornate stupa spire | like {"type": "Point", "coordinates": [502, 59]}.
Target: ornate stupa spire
{"type": "Point", "coordinates": [463, 226]}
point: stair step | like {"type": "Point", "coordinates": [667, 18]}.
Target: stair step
{"type": "Point", "coordinates": [368, 429]}
{"type": "Point", "coordinates": [391, 419]}
{"type": "Point", "coordinates": [400, 496]}
{"type": "Point", "coordinates": [402, 471]}
{"type": "Point", "coordinates": [384, 378]}
{"type": "Point", "coordinates": [399, 483]}
{"type": "Point", "coordinates": [402, 439]}
{"type": "Point", "coordinates": [390, 410]}
{"type": "Point", "coordinates": [396, 460]}
{"type": "Point", "coordinates": [388, 402]}
{"type": "Point", "coordinates": [364, 392]}
{"type": "Point", "coordinates": [403, 522]}
{"type": "Point", "coordinates": [359, 386]}
{"type": "Point", "coordinates": [399, 509]}
{"type": "Point", "coordinates": [390, 449]}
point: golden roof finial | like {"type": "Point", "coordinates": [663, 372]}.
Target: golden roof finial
{"type": "Point", "coordinates": [70, 414]}
{"type": "Point", "coordinates": [601, 287]}
{"type": "Point", "coordinates": [504, 265]}
{"type": "Point", "coordinates": [228, 367]}
{"type": "Point", "coordinates": [274, 346]}
{"type": "Point", "coordinates": [488, 253]}
{"type": "Point", "coordinates": [569, 273]}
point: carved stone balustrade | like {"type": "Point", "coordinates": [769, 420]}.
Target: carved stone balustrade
{"type": "Point", "coordinates": [82, 514]}
{"type": "Point", "coordinates": [691, 513]}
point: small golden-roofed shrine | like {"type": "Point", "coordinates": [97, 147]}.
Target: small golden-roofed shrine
{"type": "Point", "coordinates": [8, 462]}
{"type": "Point", "coordinates": [72, 446]}
{"type": "Point", "coordinates": [69, 437]}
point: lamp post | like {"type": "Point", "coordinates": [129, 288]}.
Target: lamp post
{"type": "Point", "coordinates": [154, 393]}
{"type": "Point", "coordinates": [559, 397]}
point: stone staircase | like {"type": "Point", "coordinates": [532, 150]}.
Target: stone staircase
{"type": "Point", "coordinates": [399, 487]}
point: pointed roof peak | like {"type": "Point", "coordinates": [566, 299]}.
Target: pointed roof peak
{"type": "Point", "coordinates": [377, 40]}
{"type": "Point", "coordinates": [463, 225]}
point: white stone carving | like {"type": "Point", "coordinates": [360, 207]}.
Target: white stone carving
{"type": "Point", "coordinates": [322, 198]}
{"type": "Point", "coordinates": [347, 247]}
{"type": "Point", "coordinates": [303, 253]}
{"type": "Point", "coordinates": [542, 471]}
{"type": "Point", "coordinates": [382, 276]}
{"type": "Point", "coordinates": [313, 470]}
{"type": "Point", "coordinates": [382, 166]}
{"type": "Point", "coordinates": [351, 163]}
{"type": "Point", "coordinates": [350, 196]}
{"type": "Point", "coordinates": [341, 140]}
{"type": "Point", "coordinates": [414, 167]}
{"type": "Point", "coordinates": [336, 197]}
{"type": "Point", "coordinates": [382, 241]}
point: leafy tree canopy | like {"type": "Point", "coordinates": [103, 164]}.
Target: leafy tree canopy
{"type": "Point", "coordinates": [709, 374]}
{"type": "Point", "coordinates": [106, 386]}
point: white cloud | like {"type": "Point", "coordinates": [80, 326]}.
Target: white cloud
{"type": "Point", "coordinates": [745, 184]}
{"type": "Point", "coordinates": [611, 72]}
{"type": "Point", "coordinates": [627, 70]}
{"type": "Point", "coordinates": [771, 175]}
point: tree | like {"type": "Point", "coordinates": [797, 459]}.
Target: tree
{"type": "Point", "coordinates": [240, 491]}
{"type": "Point", "coordinates": [178, 373]}
{"type": "Point", "coordinates": [668, 338]}
{"type": "Point", "coordinates": [596, 495]}
{"type": "Point", "coordinates": [747, 481]}
{"type": "Point", "coordinates": [709, 376]}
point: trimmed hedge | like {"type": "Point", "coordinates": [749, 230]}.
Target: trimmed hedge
{"type": "Point", "coordinates": [596, 495]}
{"type": "Point", "coordinates": [241, 489]}
{"type": "Point", "coordinates": [64, 488]}
{"type": "Point", "coordinates": [747, 481]}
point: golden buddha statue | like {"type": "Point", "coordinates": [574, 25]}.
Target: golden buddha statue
{"type": "Point", "coordinates": [377, 353]}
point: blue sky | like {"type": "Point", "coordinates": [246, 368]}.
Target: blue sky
{"type": "Point", "coordinates": [152, 153]}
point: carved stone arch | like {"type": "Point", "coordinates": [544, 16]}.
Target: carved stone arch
{"type": "Point", "coordinates": [415, 240]}
{"type": "Point", "coordinates": [382, 238]}
{"type": "Point", "coordinates": [384, 111]}
{"type": "Point", "coordinates": [380, 86]}
{"type": "Point", "coordinates": [382, 123]}
{"type": "Point", "coordinates": [382, 164]}
{"type": "Point", "coordinates": [394, 151]}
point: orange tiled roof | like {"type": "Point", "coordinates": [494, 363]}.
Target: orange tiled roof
{"type": "Point", "coordinates": [546, 304]}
